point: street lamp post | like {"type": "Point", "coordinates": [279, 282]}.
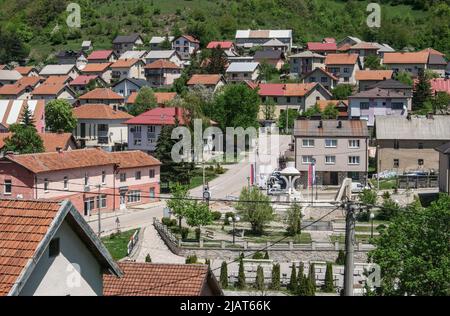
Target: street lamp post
{"type": "Point", "coordinates": [234, 220]}
{"type": "Point", "coordinates": [372, 216]}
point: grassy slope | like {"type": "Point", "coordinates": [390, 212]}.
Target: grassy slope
{"type": "Point", "coordinates": [105, 18]}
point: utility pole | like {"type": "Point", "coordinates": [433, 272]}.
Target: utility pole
{"type": "Point", "coordinates": [98, 213]}
{"type": "Point", "coordinates": [349, 248]}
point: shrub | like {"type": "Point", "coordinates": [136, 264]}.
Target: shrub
{"type": "Point", "coordinates": [216, 216]}
{"type": "Point", "coordinates": [292, 286]}
{"type": "Point", "coordinates": [340, 260]}
{"type": "Point", "coordinates": [224, 275]}
{"type": "Point", "coordinates": [241, 284]}
{"type": "Point", "coordinates": [219, 169]}
{"type": "Point", "coordinates": [266, 256]}
{"type": "Point", "coordinates": [312, 279]}
{"type": "Point", "coordinates": [329, 284]}
{"type": "Point", "coordinates": [257, 255]}
{"type": "Point", "coordinates": [169, 222]}
{"type": "Point", "coordinates": [184, 232]}
{"type": "Point", "coordinates": [147, 258]}
{"type": "Point", "coordinates": [198, 233]}
{"type": "Point", "coordinates": [227, 215]}
{"type": "Point", "coordinates": [259, 283]}
{"type": "Point", "coordinates": [191, 259]}
{"type": "Point", "coordinates": [275, 277]}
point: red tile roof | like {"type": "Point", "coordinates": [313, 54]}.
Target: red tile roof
{"type": "Point", "coordinates": [23, 225]}
{"type": "Point", "coordinates": [373, 74]}
{"type": "Point", "coordinates": [288, 89]}
{"type": "Point", "coordinates": [323, 71]}
{"type": "Point", "coordinates": [101, 67]}
{"type": "Point", "coordinates": [341, 59]}
{"type": "Point", "coordinates": [365, 45]}
{"type": "Point", "coordinates": [161, 63]}
{"type": "Point", "coordinates": [151, 279]}
{"type": "Point", "coordinates": [342, 111]}
{"type": "Point", "coordinates": [51, 140]}
{"type": "Point", "coordinates": [54, 161]}
{"type": "Point", "coordinates": [204, 79]}
{"type": "Point", "coordinates": [191, 38]}
{"type": "Point", "coordinates": [100, 54]}
{"type": "Point", "coordinates": [30, 81]}
{"type": "Point", "coordinates": [57, 80]}
{"type": "Point", "coordinates": [134, 159]}
{"type": "Point", "coordinates": [431, 51]}
{"type": "Point", "coordinates": [101, 94]}
{"type": "Point", "coordinates": [406, 58]}
{"type": "Point", "coordinates": [159, 116]}
{"type": "Point", "coordinates": [318, 46]}
{"type": "Point", "coordinates": [440, 85]}
{"type": "Point", "coordinates": [49, 89]}
{"type": "Point", "coordinates": [83, 80]}
{"type": "Point", "coordinates": [99, 112]}
{"type": "Point", "coordinates": [161, 97]}
{"type": "Point", "coordinates": [125, 63]}
{"type": "Point", "coordinates": [12, 89]}
{"type": "Point", "coordinates": [24, 71]}
{"type": "Point", "coordinates": [222, 45]}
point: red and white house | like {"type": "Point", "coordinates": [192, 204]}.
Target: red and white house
{"type": "Point", "coordinates": [91, 179]}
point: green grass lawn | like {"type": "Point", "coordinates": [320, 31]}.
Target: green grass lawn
{"type": "Point", "coordinates": [385, 184]}
{"type": "Point", "coordinates": [303, 238]}
{"type": "Point", "coordinates": [117, 244]}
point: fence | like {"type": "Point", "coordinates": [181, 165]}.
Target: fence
{"type": "Point", "coordinates": [417, 181]}
{"type": "Point", "coordinates": [175, 244]}
{"type": "Point", "coordinates": [133, 241]}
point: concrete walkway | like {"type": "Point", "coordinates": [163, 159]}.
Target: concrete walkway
{"type": "Point", "coordinates": [152, 244]}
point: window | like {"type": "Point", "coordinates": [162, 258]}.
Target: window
{"type": "Point", "coordinates": [346, 70]}
{"type": "Point", "coordinates": [45, 185]}
{"type": "Point", "coordinates": [353, 143]}
{"type": "Point", "coordinates": [137, 175]}
{"type": "Point", "coordinates": [123, 177]}
{"type": "Point", "coordinates": [420, 162]}
{"type": "Point", "coordinates": [312, 79]}
{"type": "Point", "coordinates": [364, 105]}
{"type": "Point", "coordinates": [151, 173]}
{"type": "Point", "coordinates": [101, 201]}
{"type": "Point", "coordinates": [151, 133]}
{"type": "Point", "coordinates": [275, 99]}
{"type": "Point", "coordinates": [288, 99]}
{"type": "Point", "coordinates": [66, 183]}
{"type": "Point", "coordinates": [53, 248]}
{"type": "Point", "coordinates": [330, 143]}
{"type": "Point", "coordinates": [330, 160]}
{"type": "Point", "coordinates": [134, 196]}
{"type": "Point", "coordinates": [306, 160]}
{"type": "Point", "coordinates": [420, 145]}
{"type": "Point", "coordinates": [396, 144]}
{"type": "Point", "coordinates": [8, 187]}
{"type": "Point", "coordinates": [137, 142]}
{"type": "Point", "coordinates": [396, 163]}
{"type": "Point", "coordinates": [397, 106]}
{"type": "Point", "coordinates": [152, 193]}
{"type": "Point", "coordinates": [308, 143]}
{"type": "Point", "coordinates": [323, 79]}
{"type": "Point", "coordinates": [103, 177]}
{"type": "Point", "coordinates": [353, 160]}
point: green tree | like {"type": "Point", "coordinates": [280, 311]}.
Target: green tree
{"type": "Point", "coordinates": [292, 115]}
{"type": "Point", "coordinates": [148, 258]}
{"type": "Point", "coordinates": [311, 111]}
{"type": "Point", "coordinates": [294, 219]}
{"type": "Point", "coordinates": [224, 275]}
{"type": "Point", "coordinates": [404, 77]}
{"type": "Point", "coordinates": [441, 102]}
{"type": "Point", "coordinates": [373, 62]}
{"type": "Point", "coordinates": [266, 255]}
{"type": "Point", "coordinates": [267, 71]}
{"type": "Point", "coordinates": [178, 203]}
{"type": "Point", "coordinates": [59, 116]}
{"type": "Point", "coordinates": [27, 117]}
{"type": "Point", "coordinates": [259, 282]}
{"type": "Point", "coordinates": [145, 101]}
{"type": "Point", "coordinates": [340, 260]}
{"type": "Point", "coordinates": [24, 140]}
{"type": "Point", "coordinates": [329, 282]}
{"type": "Point", "coordinates": [389, 209]}
{"type": "Point", "coordinates": [236, 106]}
{"type": "Point", "coordinates": [292, 286]}
{"type": "Point", "coordinates": [302, 289]}
{"type": "Point", "coordinates": [342, 91]}
{"type": "Point", "coordinates": [369, 199]}
{"type": "Point", "coordinates": [268, 109]}
{"type": "Point", "coordinates": [254, 207]}
{"type": "Point", "coordinates": [198, 214]}
{"type": "Point", "coordinates": [422, 92]}
{"type": "Point", "coordinates": [413, 252]}
{"type": "Point", "coordinates": [166, 44]}
{"type": "Point", "coordinates": [275, 277]}
{"type": "Point", "coordinates": [312, 279]}
{"type": "Point", "coordinates": [217, 62]}
{"type": "Point", "coordinates": [241, 283]}
{"type": "Point", "coordinates": [330, 112]}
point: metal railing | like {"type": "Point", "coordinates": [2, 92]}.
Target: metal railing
{"type": "Point", "coordinates": [133, 241]}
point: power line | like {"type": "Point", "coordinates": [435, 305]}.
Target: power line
{"type": "Point", "coordinates": [233, 261]}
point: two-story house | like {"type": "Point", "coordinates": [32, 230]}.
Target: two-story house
{"type": "Point", "coordinates": [407, 144]}
{"type": "Point", "coordinates": [186, 45]}
{"type": "Point", "coordinates": [213, 82]}
{"type": "Point", "coordinates": [83, 83]}
{"type": "Point", "coordinates": [70, 57]}
{"type": "Point", "coordinates": [27, 71]}
{"type": "Point", "coordinates": [53, 91]}
{"type": "Point", "coordinates": [60, 70]}
{"type": "Point", "coordinates": [168, 55]}
{"type": "Point", "coordinates": [103, 96]}
{"type": "Point", "coordinates": [241, 71]}
{"type": "Point", "coordinates": [9, 77]}
{"type": "Point", "coordinates": [370, 104]}
{"type": "Point", "coordinates": [122, 43]}
{"type": "Point", "coordinates": [337, 148]}
{"type": "Point", "coordinates": [100, 126]}
{"type": "Point", "coordinates": [252, 38]}
{"type": "Point", "coordinates": [367, 78]}
{"type": "Point", "coordinates": [320, 75]}
{"type": "Point", "coordinates": [134, 54]}
{"type": "Point", "coordinates": [127, 68]}
{"type": "Point", "coordinates": [412, 62]}
{"type": "Point", "coordinates": [102, 56]}
{"type": "Point", "coordinates": [128, 86]}
{"type": "Point", "coordinates": [305, 62]}
{"type": "Point", "coordinates": [156, 42]}
{"type": "Point", "coordinates": [101, 70]}
{"type": "Point", "coordinates": [364, 49]}
{"type": "Point", "coordinates": [323, 48]}
{"type": "Point", "coordinates": [275, 58]}
{"type": "Point", "coordinates": [343, 66]}
{"type": "Point", "coordinates": [21, 90]}
{"type": "Point", "coordinates": [92, 179]}
{"type": "Point", "coordinates": [162, 73]}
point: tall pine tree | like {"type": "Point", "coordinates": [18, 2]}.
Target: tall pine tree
{"type": "Point", "coordinates": [422, 92]}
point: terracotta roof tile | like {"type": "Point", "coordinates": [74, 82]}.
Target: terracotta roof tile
{"type": "Point", "coordinates": [100, 112]}
{"type": "Point", "coordinates": [24, 71]}
{"type": "Point", "coordinates": [350, 128]}
{"type": "Point", "coordinates": [341, 59]}
{"type": "Point", "coordinates": [12, 89]}
{"type": "Point", "coordinates": [83, 80]}
{"type": "Point", "coordinates": [49, 89]}
{"type": "Point", "coordinates": [317, 46]}
{"type": "Point", "coordinates": [432, 51]}
{"type": "Point", "coordinates": [342, 110]}
{"type": "Point", "coordinates": [134, 159]}
{"type": "Point", "coordinates": [125, 63]}
{"type": "Point", "coordinates": [406, 58]}
{"type": "Point", "coordinates": [151, 279]}
{"type": "Point", "coordinates": [190, 38]}
{"type": "Point", "coordinates": [161, 63]}
{"type": "Point", "coordinates": [51, 140]}
{"type": "Point", "coordinates": [222, 45]}
{"type": "Point", "coordinates": [288, 89]}
{"type": "Point", "coordinates": [30, 81]}
{"type": "Point", "coordinates": [365, 45]}
{"type": "Point", "coordinates": [373, 74]}
{"type": "Point", "coordinates": [57, 80]}
{"type": "Point", "coordinates": [204, 79]}
{"type": "Point", "coordinates": [159, 116]}
{"type": "Point", "coordinates": [101, 67]}
{"type": "Point", "coordinates": [100, 54]}
{"type": "Point", "coordinates": [101, 94]}
{"type": "Point", "coordinates": [45, 162]}
{"type": "Point", "coordinates": [23, 225]}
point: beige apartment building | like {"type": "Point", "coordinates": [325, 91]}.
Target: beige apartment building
{"type": "Point", "coordinates": [408, 144]}
{"type": "Point", "coordinates": [444, 168]}
{"type": "Point", "coordinates": [338, 148]}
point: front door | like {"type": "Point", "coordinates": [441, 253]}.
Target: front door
{"type": "Point", "coordinates": [123, 203]}
{"type": "Point", "coordinates": [334, 179]}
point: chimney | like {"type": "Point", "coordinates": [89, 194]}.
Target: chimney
{"type": "Point", "coordinates": [320, 124]}
{"type": "Point", "coordinates": [339, 124]}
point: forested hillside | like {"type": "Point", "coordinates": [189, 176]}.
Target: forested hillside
{"type": "Point", "coordinates": [37, 28]}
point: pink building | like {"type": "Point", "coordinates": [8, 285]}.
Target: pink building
{"type": "Point", "coordinates": [91, 179]}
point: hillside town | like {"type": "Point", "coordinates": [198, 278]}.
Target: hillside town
{"type": "Point", "coordinates": [344, 131]}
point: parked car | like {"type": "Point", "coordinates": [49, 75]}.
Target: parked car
{"type": "Point", "coordinates": [358, 187]}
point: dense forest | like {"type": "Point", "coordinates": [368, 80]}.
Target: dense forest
{"type": "Point", "coordinates": [36, 28]}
